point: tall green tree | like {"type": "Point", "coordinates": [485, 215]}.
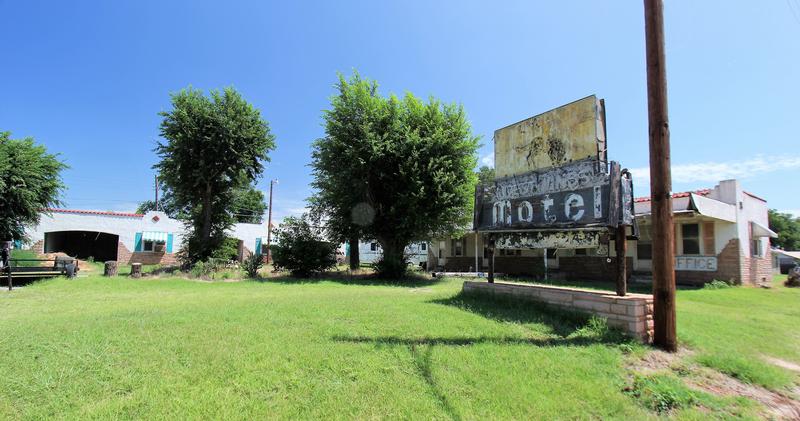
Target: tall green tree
{"type": "Point", "coordinates": [396, 170]}
{"type": "Point", "coordinates": [248, 205]}
{"type": "Point", "coordinates": [788, 229]}
{"type": "Point", "coordinates": [30, 181]}
{"type": "Point", "coordinates": [215, 145]}
{"type": "Point", "coordinates": [486, 175]}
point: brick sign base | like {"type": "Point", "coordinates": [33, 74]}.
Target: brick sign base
{"type": "Point", "coordinates": [632, 313]}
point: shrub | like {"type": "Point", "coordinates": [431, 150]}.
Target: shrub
{"type": "Point", "coordinates": [202, 269]}
{"type": "Point", "coordinates": [301, 248]}
{"type": "Point", "coordinates": [228, 250]}
{"type": "Point", "coordinates": [717, 284]}
{"type": "Point", "coordinates": [252, 264]}
{"type": "Point", "coordinates": [662, 393]}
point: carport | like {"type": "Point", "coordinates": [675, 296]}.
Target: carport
{"type": "Point", "coordinates": [83, 244]}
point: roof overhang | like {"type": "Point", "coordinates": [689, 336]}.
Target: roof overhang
{"type": "Point", "coordinates": [712, 208]}
{"type": "Point", "coordinates": [759, 230]}
{"type": "Point", "coordinates": [793, 254]}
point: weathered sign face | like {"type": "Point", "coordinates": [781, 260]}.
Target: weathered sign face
{"type": "Point", "coordinates": [554, 187]}
{"type": "Point", "coordinates": [568, 133]}
{"type": "Point", "coordinates": [573, 195]}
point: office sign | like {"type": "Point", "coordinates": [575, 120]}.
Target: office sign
{"type": "Point", "coordinates": [696, 263]}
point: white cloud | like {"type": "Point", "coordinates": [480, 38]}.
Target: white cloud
{"type": "Point", "coordinates": [287, 207]}
{"type": "Point", "coordinates": [716, 171]}
{"type": "Point", "coordinates": [488, 160]}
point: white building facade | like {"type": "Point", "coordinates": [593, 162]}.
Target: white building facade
{"type": "Point", "coordinates": [148, 238]}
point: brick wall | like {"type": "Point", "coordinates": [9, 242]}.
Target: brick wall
{"type": "Point", "coordinates": [459, 264]}
{"type": "Point", "coordinates": [757, 270]}
{"type": "Point", "coordinates": [519, 265]}
{"type": "Point", "coordinates": [632, 313]}
{"type": "Point", "coordinates": [38, 247]}
{"type": "Point", "coordinates": [144, 257]}
{"type": "Point", "coordinates": [591, 268]}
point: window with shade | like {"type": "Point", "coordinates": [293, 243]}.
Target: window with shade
{"type": "Point", "coordinates": [690, 238]}
{"type": "Point", "coordinates": [458, 247]}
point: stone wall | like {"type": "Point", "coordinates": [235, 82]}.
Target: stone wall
{"type": "Point", "coordinates": [632, 313]}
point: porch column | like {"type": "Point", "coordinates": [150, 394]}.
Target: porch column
{"type": "Point", "coordinates": [477, 267]}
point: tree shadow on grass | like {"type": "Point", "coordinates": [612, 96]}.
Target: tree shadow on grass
{"type": "Point", "coordinates": [566, 329]}
{"type": "Point", "coordinates": [570, 333]}
{"type": "Point", "coordinates": [571, 327]}
{"type": "Point", "coordinates": [411, 281]}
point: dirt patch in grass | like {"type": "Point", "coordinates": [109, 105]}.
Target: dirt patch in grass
{"type": "Point", "coordinates": [778, 405]}
{"type": "Point", "coordinates": [782, 363]}
{"type": "Point", "coordinates": [784, 405]}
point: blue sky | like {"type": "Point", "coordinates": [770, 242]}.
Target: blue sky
{"type": "Point", "coordinates": [87, 79]}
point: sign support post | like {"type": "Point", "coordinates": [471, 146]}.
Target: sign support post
{"type": "Point", "coordinates": [664, 336]}
{"type": "Point", "coordinates": [621, 245]}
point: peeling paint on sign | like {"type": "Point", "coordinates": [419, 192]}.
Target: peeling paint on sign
{"type": "Point", "coordinates": [550, 240]}
{"type": "Point", "coordinates": [576, 194]}
{"type": "Point", "coordinates": [565, 134]}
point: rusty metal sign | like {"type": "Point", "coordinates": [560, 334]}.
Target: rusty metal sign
{"type": "Point", "coordinates": [569, 133]}
{"type": "Point", "coordinates": [552, 239]}
{"type": "Point", "coordinates": [555, 188]}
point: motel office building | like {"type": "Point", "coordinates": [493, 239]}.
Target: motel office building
{"type": "Point", "coordinates": [150, 238]}
{"type": "Point", "coordinates": [720, 233]}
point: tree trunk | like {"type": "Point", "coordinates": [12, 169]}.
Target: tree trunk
{"type": "Point", "coordinates": [355, 258]}
{"type": "Point", "coordinates": [206, 233]}
{"type": "Point", "coordinates": [393, 263]}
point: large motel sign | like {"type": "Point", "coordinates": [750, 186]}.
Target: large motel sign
{"type": "Point", "coordinates": [555, 187]}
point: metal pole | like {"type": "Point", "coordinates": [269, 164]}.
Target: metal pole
{"type": "Point", "coordinates": [545, 263]}
{"type": "Point", "coordinates": [269, 221]}
{"type": "Point", "coordinates": [665, 335]}
{"type": "Point", "coordinates": [155, 178]}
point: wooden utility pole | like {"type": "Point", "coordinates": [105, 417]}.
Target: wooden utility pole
{"type": "Point", "coordinates": [665, 336]}
{"type": "Point", "coordinates": [269, 220]}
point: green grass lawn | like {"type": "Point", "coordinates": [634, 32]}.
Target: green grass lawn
{"type": "Point", "coordinates": [170, 348]}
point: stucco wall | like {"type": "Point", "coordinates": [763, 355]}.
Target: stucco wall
{"type": "Point", "coordinates": [127, 225]}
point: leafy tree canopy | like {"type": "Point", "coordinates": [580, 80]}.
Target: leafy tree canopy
{"type": "Point", "coordinates": [215, 145]}
{"type": "Point", "coordinates": [788, 229]}
{"type": "Point", "coordinates": [393, 169]}
{"type": "Point", "coordinates": [486, 175]}
{"type": "Point", "coordinates": [30, 181]}
{"type": "Point", "coordinates": [248, 205]}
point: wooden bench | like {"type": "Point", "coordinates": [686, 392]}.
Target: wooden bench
{"type": "Point", "coordinates": [59, 267]}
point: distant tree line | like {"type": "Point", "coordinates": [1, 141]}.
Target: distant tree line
{"type": "Point", "coordinates": [788, 228]}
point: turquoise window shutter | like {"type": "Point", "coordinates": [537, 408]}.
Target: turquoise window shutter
{"type": "Point", "coordinates": [137, 242]}
{"type": "Point", "coordinates": [258, 246]}
{"type": "Point", "coordinates": [169, 243]}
